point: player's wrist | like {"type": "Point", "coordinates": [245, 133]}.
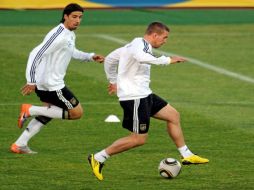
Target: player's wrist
{"type": "Point", "coordinates": [92, 56]}
{"type": "Point", "coordinates": [30, 83]}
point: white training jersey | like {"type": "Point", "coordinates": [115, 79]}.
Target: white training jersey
{"type": "Point", "coordinates": [129, 67]}
{"type": "Point", "coordinates": [48, 62]}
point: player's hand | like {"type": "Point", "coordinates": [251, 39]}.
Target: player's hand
{"type": "Point", "coordinates": [98, 58]}
{"type": "Point", "coordinates": [175, 59]}
{"type": "Point", "coordinates": [112, 89]}
{"type": "Point", "coordinates": [28, 89]}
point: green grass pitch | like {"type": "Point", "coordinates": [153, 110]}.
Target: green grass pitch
{"type": "Point", "coordinates": [216, 110]}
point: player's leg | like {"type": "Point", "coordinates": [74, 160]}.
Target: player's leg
{"type": "Point", "coordinates": [126, 143]}
{"type": "Point", "coordinates": [136, 120]}
{"type": "Point", "coordinates": [172, 117]}
{"type": "Point", "coordinates": [66, 106]}
{"type": "Point", "coordinates": [62, 104]}
{"type": "Point", "coordinates": [123, 144]}
{"type": "Point", "coordinates": [34, 126]}
{"type": "Point", "coordinates": [55, 111]}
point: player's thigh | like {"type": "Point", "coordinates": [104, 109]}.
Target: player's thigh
{"type": "Point", "coordinates": [167, 113]}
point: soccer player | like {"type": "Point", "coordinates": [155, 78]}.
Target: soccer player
{"type": "Point", "coordinates": [128, 71]}
{"type": "Point", "coordinates": [46, 68]}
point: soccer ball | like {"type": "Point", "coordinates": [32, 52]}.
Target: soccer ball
{"type": "Point", "coordinates": [169, 168]}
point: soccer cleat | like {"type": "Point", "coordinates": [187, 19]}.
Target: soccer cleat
{"type": "Point", "coordinates": [194, 159]}
{"type": "Point", "coordinates": [96, 167]}
{"type": "Point", "coordinates": [24, 114]}
{"type": "Point", "coordinates": [21, 149]}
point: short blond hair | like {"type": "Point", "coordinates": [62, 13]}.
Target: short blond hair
{"type": "Point", "coordinates": [156, 27]}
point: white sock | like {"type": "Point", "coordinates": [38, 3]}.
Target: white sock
{"type": "Point", "coordinates": [185, 151]}
{"type": "Point", "coordinates": [52, 111]}
{"type": "Point", "coordinates": [32, 129]}
{"type": "Point", "coordinates": [101, 156]}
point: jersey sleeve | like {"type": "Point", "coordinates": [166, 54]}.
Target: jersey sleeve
{"type": "Point", "coordinates": [110, 65]}
{"type": "Point", "coordinates": [83, 56]}
{"type": "Point", "coordinates": [143, 54]}
{"type": "Point", "coordinates": [30, 72]}
{"type": "Point", "coordinates": [50, 43]}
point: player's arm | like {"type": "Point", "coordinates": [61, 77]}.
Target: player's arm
{"type": "Point", "coordinates": [83, 56]}
{"type": "Point", "coordinates": [111, 65]}
{"type": "Point", "coordinates": [48, 46]}
{"type": "Point", "coordinates": [110, 68]}
{"type": "Point", "coordinates": [30, 74]}
{"type": "Point", "coordinates": [143, 55]}
{"type": "Point", "coordinates": [162, 60]}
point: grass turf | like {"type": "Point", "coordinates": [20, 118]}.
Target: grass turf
{"type": "Point", "coordinates": [216, 111]}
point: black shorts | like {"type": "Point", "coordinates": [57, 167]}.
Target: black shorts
{"type": "Point", "coordinates": [137, 112]}
{"type": "Point", "coordinates": [63, 98]}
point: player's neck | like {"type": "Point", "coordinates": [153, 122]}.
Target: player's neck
{"type": "Point", "coordinates": [148, 39]}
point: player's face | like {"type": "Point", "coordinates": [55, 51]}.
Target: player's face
{"type": "Point", "coordinates": [73, 20]}
{"type": "Point", "coordinates": [160, 39]}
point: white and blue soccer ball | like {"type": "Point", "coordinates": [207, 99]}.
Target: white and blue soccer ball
{"type": "Point", "coordinates": [169, 168]}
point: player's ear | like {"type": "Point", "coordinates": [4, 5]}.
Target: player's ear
{"type": "Point", "coordinates": [65, 16]}
{"type": "Point", "coordinates": [155, 35]}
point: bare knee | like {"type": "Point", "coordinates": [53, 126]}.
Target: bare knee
{"type": "Point", "coordinates": [76, 113]}
{"type": "Point", "coordinates": [139, 139]}
{"type": "Point", "coordinates": [174, 117]}
{"type": "Point", "coordinates": [177, 115]}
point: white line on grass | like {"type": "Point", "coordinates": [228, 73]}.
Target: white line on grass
{"type": "Point", "coordinates": [192, 60]}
